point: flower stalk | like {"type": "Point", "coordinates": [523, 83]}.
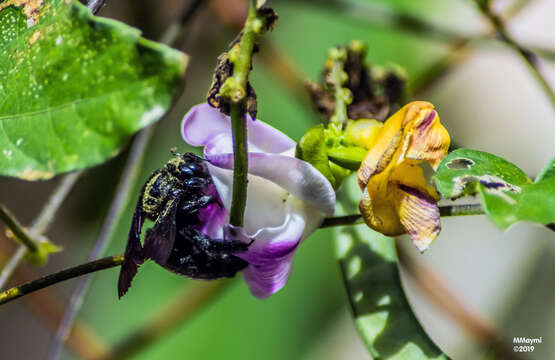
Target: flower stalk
{"type": "Point", "coordinates": [343, 96]}
{"type": "Point", "coordinates": [444, 211]}
{"type": "Point", "coordinates": [241, 166]}
{"type": "Point", "coordinates": [234, 91]}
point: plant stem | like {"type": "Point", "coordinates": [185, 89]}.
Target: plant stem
{"type": "Point", "coordinates": [527, 55]}
{"type": "Point", "coordinates": [48, 280]}
{"type": "Point", "coordinates": [446, 210]}
{"type": "Point", "coordinates": [18, 230]}
{"type": "Point", "coordinates": [41, 224]}
{"type": "Point", "coordinates": [242, 64]}
{"type": "Point", "coordinates": [240, 165]}
{"type": "Point", "coordinates": [461, 210]}
{"type": "Point", "coordinates": [234, 90]}
{"type": "Point", "coordinates": [353, 219]}
{"type": "Point", "coordinates": [180, 309]}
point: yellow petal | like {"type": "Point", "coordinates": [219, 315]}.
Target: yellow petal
{"type": "Point", "coordinates": [378, 209]}
{"type": "Point", "coordinates": [393, 141]}
{"type": "Point", "coordinates": [429, 140]}
{"type": "Point", "coordinates": [396, 198]}
{"type": "Point", "coordinates": [419, 214]}
{"type": "Point", "coordinates": [416, 204]}
{"type": "Point", "coordinates": [363, 132]}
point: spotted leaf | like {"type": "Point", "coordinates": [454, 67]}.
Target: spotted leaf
{"type": "Point", "coordinates": [75, 87]}
{"type": "Point", "coordinates": [507, 193]}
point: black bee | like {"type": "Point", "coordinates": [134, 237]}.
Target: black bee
{"type": "Point", "coordinates": [172, 197]}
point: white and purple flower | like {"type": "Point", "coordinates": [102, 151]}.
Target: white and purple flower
{"type": "Point", "coordinates": [287, 198]}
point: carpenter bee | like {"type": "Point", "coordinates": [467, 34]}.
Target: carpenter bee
{"type": "Point", "coordinates": [173, 197]}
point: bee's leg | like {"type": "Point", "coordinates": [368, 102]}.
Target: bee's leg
{"type": "Point", "coordinates": [192, 206]}
{"type": "Point", "coordinates": [217, 245]}
{"type": "Point", "coordinates": [133, 256]}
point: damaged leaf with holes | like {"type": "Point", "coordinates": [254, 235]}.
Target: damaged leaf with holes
{"type": "Point", "coordinates": [75, 87]}
{"type": "Point", "coordinates": [508, 195]}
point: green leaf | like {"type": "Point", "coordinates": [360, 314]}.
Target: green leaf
{"type": "Point", "coordinates": [382, 313]}
{"type": "Point", "coordinates": [548, 172]}
{"type": "Point", "coordinates": [75, 87]}
{"type": "Point", "coordinates": [507, 194]}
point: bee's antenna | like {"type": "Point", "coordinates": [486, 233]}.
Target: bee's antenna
{"type": "Point", "coordinates": [174, 152]}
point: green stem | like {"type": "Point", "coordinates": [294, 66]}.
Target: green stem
{"type": "Point", "coordinates": [461, 210]}
{"type": "Point", "coordinates": [243, 58]}
{"type": "Point", "coordinates": [343, 97]}
{"type": "Point", "coordinates": [21, 233]}
{"type": "Point", "coordinates": [234, 91]}
{"type": "Point", "coordinates": [447, 210]}
{"type": "Point", "coordinates": [353, 219]}
{"type": "Point", "coordinates": [48, 280]}
{"type": "Point", "coordinates": [240, 167]}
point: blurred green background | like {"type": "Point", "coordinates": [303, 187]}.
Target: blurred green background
{"type": "Point", "coordinates": [491, 104]}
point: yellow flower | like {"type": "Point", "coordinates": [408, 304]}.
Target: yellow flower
{"type": "Point", "coordinates": [396, 198]}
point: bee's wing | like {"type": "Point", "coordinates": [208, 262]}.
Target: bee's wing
{"type": "Point", "coordinates": [133, 256]}
{"type": "Point", "coordinates": [159, 240]}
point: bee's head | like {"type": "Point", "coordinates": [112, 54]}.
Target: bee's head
{"type": "Point", "coordinates": [186, 166]}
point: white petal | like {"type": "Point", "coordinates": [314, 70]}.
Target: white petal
{"type": "Point", "coordinates": [205, 126]}
{"type": "Point", "coordinates": [294, 175]}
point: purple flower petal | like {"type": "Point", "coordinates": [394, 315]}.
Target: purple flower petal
{"type": "Point", "coordinates": [271, 254]}
{"type": "Point", "coordinates": [294, 175]}
{"type": "Point", "coordinates": [213, 216]}
{"type": "Point", "coordinates": [266, 280]}
{"type": "Point", "coordinates": [287, 198]}
{"type": "Point", "coordinates": [419, 214]}
{"type": "Point", "coordinates": [205, 126]}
